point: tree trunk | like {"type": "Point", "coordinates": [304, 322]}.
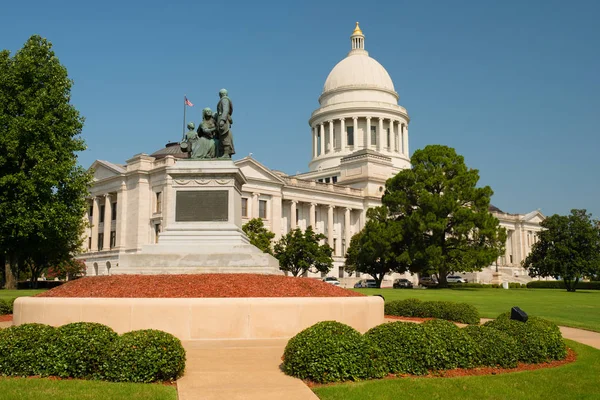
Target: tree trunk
{"type": "Point", "coordinates": [442, 279]}
{"type": "Point", "coordinates": [11, 281]}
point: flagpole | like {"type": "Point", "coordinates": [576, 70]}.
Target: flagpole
{"type": "Point", "coordinates": [183, 137]}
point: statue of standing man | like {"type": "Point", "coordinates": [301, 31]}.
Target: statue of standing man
{"type": "Point", "coordinates": [224, 122]}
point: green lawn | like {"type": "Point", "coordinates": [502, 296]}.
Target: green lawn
{"type": "Point", "coordinates": [12, 294]}
{"type": "Point", "coordinates": [580, 309]}
{"type": "Point", "coordinates": [573, 381]}
{"type": "Point", "coordinates": [47, 389]}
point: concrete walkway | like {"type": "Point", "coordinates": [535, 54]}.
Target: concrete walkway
{"type": "Point", "coordinates": [236, 370]}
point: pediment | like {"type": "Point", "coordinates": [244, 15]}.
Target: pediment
{"type": "Point", "coordinates": [253, 170]}
{"type": "Point", "coordinates": [534, 217]}
{"type": "Point", "coordinates": [104, 170]}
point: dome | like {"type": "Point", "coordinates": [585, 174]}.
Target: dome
{"type": "Point", "coordinates": [358, 70]}
{"type": "Point", "coordinates": [170, 149]}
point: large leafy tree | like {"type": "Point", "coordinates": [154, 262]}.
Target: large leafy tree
{"type": "Point", "coordinates": [299, 252]}
{"type": "Point", "coordinates": [259, 235]}
{"type": "Point", "coordinates": [42, 188]}
{"type": "Point", "coordinates": [378, 249]}
{"type": "Point", "coordinates": [568, 249]}
{"type": "Point", "coordinates": [443, 215]}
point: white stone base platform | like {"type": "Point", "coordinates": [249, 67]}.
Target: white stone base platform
{"type": "Point", "coordinates": [205, 318]}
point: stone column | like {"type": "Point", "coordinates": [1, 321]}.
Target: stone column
{"type": "Point", "coordinates": [331, 137]}
{"type": "Point", "coordinates": [276, 216]}
{"type": "Point", "coordinates": [330, 226]}
{"type": "Point", "coordinates": [107, 221]}
{"type": "Point", "coordinates": [405, 141]}
{"type": "Point", "coordinates": [121, 213]}
{"type": "Point", "coordinates": [293, 213]}
{"type": "Point", "coordinates": [355, 132]}
{"type": "Point", "coordinates": [347, 231]}
{"type": "Point", "coordinates": [368, 133]}
{"type": "Point", "coordinates": [343, 138]}
{"type": "Point", "coordinates": [380, 135]}
{"type": "Point", "coordinates": [312, 219]}
{"type": "Point", "coordinates": [315, 139]}
{"type": "Point", "coordinates": [392, 136]}
{"type": "Point", "coordinates": [322, 140]}
{"type": "Point", "coordinates": [255, 212]}
{"type": "Point", "coordinates": [95, 222]}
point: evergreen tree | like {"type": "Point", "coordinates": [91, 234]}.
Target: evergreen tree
{"type": "Point", "coordinates": [42, 189]}
{"type": "Point", "coordinates": [444, 216]}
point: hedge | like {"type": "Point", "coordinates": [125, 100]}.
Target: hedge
{"type": "Point", "coordinates": [511, 285]}
{"type": "Point", "coordinates": [145, 356]}
{"type": "Point", "coordinates": [538, 340]}
{"type": "Point", "coordinates": [83, 348]}
{"type": "Point", "coordinates": [6, 306]}
{"type": "Point", "coordinates": [89, 350]}
{"type": "Point", "coordinates": [330, 351]}
{"type": "Point", "coordinates": [493, 347]}
{"type": "Point", "coordinates": [593, 285]}
{"type": "Point", "coordinates": [457, 312]}
{"type": "Point", "coordinates": [447, 346]}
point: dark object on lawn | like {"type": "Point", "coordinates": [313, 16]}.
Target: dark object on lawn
{"type": "Point", "coordinates": [517, 314]}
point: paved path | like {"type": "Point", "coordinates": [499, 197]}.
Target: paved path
{"type": "Point", "coordinates": [236, 370]}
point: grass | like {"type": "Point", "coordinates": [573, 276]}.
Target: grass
{"type": "Point", "coordinates": [13, 294]}
{"type": "Point", "coordinates": [579, 310]}
{"type": "Point", "coordinates": [573, 381]}
{"type": "Point", "coordinates": [49, 389]}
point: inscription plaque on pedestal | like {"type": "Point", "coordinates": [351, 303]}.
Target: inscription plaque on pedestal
{"type": "Point", "coordinates": [202, 206]}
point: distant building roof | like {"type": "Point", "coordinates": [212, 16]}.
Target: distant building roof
{"type": "Point", "coordinates": [170, 149]}
{"type": "Point", "coordinates": [493, 208]}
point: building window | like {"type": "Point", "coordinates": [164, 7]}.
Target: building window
{"type": "Point", "coordinates": [113, 239]}
{"type": "Point", "coordinates": [327, 180]}
{"type": "Point", "coordinates": [334, 179]}
{"type": "Point", "coordinates": [102, 213]}
{"type": "Point", "coordinates": [158, 202]}
{"type": "Point", "coordinates": [334, 246]}
{"type": "Point", "coordinates": [373, 136]}
{"type": "Point", "coordinates": [114, 212]}
{"type": "Point", "coordinates": [511, 258]}
{"type": "Point", "coordinates": [89, 243]}
{"type": "Point", "coordinates": [340, 272]}
{"type": "Point", "coordinates": [388, 138]}
{"type": "Point", "coordinates": [343, 247]}
{"type": "Point", "coordinates": [297, 216]}
{"type": "Point", "coordinates": [350, 135]}
{"type": "Point", "coordinates": [396, 145]}
{"type": "Point", "coordinates": [262, 209]}
{"type": "Point", "coordinates": [156, 232]}
{"type": "Point", "coordinates": [244, 207]}
{"type": "Point", "coordinates": [319, 150]}
{"type": "Point", "coordinates": [91, 213]}
{"type": "Point", "coordinates": [336, 139]}
{"type": "Point", "coordinates": [100, 241]}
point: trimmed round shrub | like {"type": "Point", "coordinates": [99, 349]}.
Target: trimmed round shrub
{"type": "Point", "coordinates": [27, 350]}
{"type": "Point", "coordinates": [493, 347]}
{"type": "Point", "coordinates": [538, 340]}
{"type": "Point", "coordinates": [462, 312]}
{"type": "Point", "coordinates": [330, 351]}
{"type": "Point", "coordinates": [145, 356]}
{"type": "Point", "coordinates": [402, 308]}
{"type": "Point", "coordinates": [446, 346]}
{"type": "Point", "coordinates": [6, 306]}
{"type": "Point", "coordinates": [402, 346]}
{"type": "Point", "coordinates": [83, 347]}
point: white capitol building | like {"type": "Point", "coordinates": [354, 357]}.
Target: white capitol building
{"type": "Point", "coordinates": [359, 139]}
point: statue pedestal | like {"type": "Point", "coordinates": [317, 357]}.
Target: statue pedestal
{"type": "Point", "coordinates": [202, 231]}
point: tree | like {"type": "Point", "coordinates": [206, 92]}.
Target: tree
{"type": "Point", "coordinates": [300, 252]}
{"type": "Point", "coordinates": [67, 269]}
{"type": "Point", "coordinates": [259, 235]}
{"type": "Point", "coordinates": [42, 189]}
{"type": "Point", "coordinates": [378, 249]}
{"type": "Point", "coordinates": [443, 215]}
{"type": "Point", "coordinates": [568, 249]}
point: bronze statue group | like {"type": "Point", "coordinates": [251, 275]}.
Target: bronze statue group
{"type": "Point", "coordinates": [213, 139]}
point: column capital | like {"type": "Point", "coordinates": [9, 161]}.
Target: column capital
{"type": "Point", "coordinates": [330, 121]}
{"type": "Point", "coordinates": [355, 118]}
{"type": "Point", "coordinates": [314, 204]}
{"type": "Point", "coordinates": [255, 194]}
{"type": "Point", "coordinates": [105, 195]}
{"type": "Point", "coordinates": [342, 119]}
{"type": "Point", "coordinates": [331, 207]}
{"type": "Point", "coordinates": [368, 118]}
{"type": "Point", "coordinates": [294, 201]}
{"type": "Point", "coordinates": [348, 209]}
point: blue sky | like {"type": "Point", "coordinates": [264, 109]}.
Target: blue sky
{"type": "Point", "coordinates": [512, 85]}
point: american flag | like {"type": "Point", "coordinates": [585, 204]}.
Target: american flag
{"type": "Point", "coordinates": [187, 102]}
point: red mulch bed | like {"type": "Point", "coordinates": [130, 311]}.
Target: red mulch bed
{"type": "Point", "coordinates": [458, 372]}
{"type": "Point", "coordinates": [6, 318]}
{"type": "Point", "coordinates": [200, 285]}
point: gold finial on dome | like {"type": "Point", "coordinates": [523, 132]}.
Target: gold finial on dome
{"type": "Point", "coordinates": [357, 30]}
